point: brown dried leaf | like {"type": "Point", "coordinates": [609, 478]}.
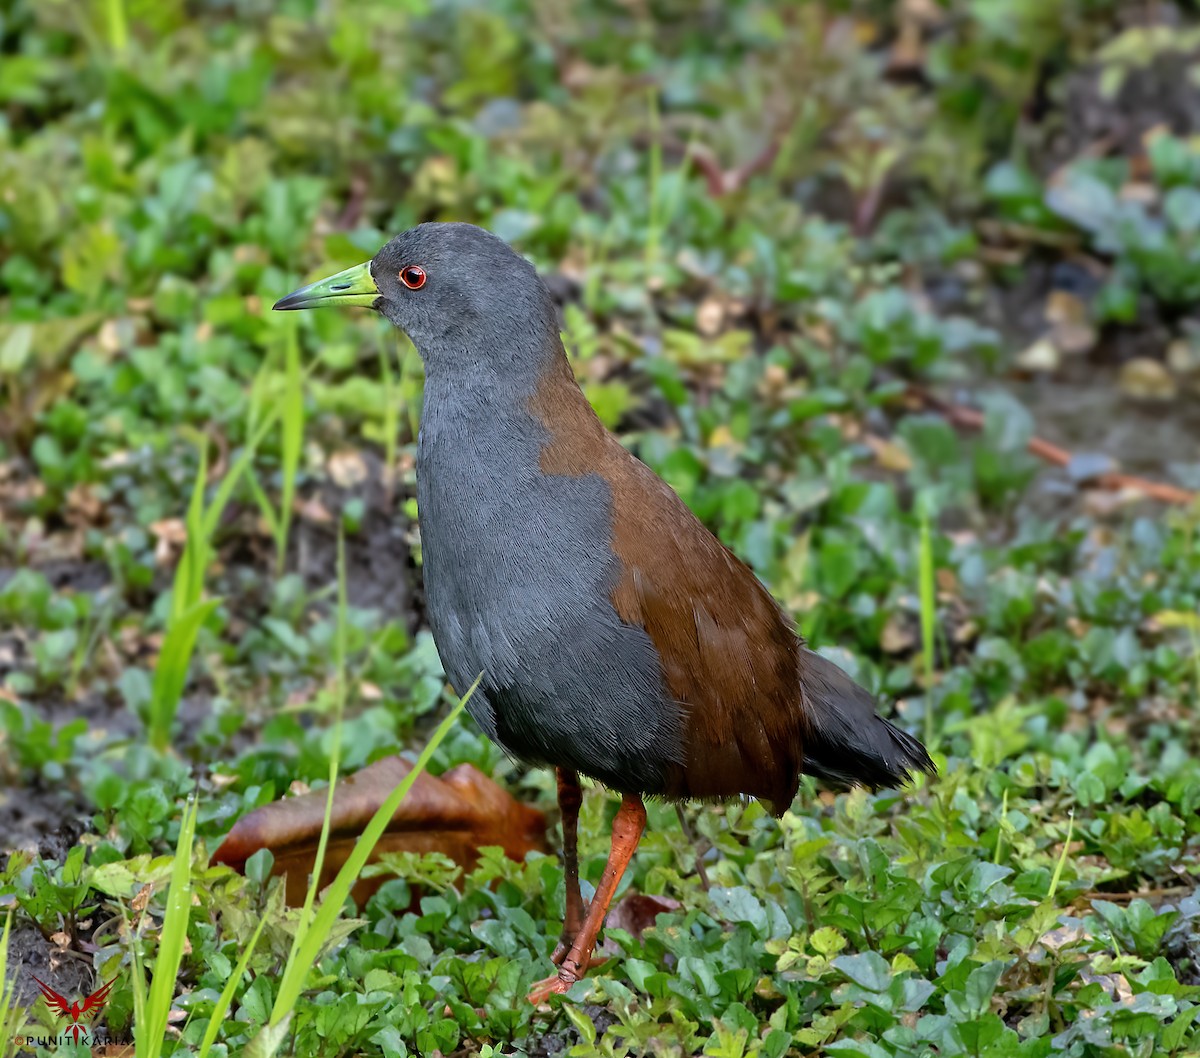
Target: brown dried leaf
{"type": "Point", "coordinates": [1146, 379]}
{"type": "Point", "coordinates": [710, 317]}
{"type": "Point", "coordinates": [897, 636]}
{"type": "Point", "coordinates": [142, 897]}
{"type": "Point", "coordinates": [456, 814]}
{"type": "Point", "coordinates": [1064, 307]}
{"type": "Point", "coordinates": [1043, 355]}
{"type": "Point", "coordinates": [1062, 937]}
{"type": "Point", "coordinates": [891, 455]}
{"type": "Point", "coordinates": [1075, 339]}
{"type": "Point", "coordinates": [347, 469]}
{"type": "Point", "coordinates": [638, 912]}
{"type": "Point", "coordinates": [313, 510]}
{"type": "Point", "coordinates": [172, 530]}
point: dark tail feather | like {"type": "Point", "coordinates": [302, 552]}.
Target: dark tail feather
{"type": "Point", "coordinates": [846, 743]}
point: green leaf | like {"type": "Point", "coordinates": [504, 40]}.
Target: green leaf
{"type": "Point", "coordinates": [1182, 209]}
{"type": "Point", "coordinates": [868, 969]}
{"type": "Point", "coordinates": [827, 940]}
{"type": "Point", "coordinates": [981, 986]}
{"type": "Point", "coordinates": [739, 905]}
{"type": "Point", "coordinates": [1173, 1035]}
{"type": "Point", "coordinates": [269, 1039]}
{"type": "Point", "coordinates": [583, 1024]}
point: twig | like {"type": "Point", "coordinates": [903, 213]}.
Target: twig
{"type": "Point", "coordinates": [726, 181]}
{"type": "Point", "coordinates": [1147, 894]}
{"type": "Point", "coordinates": [719, 180]}
{"type": "Point", "coordinates": [972, 419]}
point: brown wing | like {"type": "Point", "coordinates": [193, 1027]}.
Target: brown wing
{"type": "Point", "coordinates": [729, 653]}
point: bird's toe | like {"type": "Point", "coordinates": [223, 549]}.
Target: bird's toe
{"type": "Point", "coordinates": [551, 986]}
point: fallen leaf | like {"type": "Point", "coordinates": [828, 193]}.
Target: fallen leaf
{"type": "Point", "coordinates": [1139, 191]}
{"type": "Point", "coordinates": [638, 912]}
{"type": "Point", "coordinates": [1116, 985]}
{"type": "Point", "coordinates": [1064, 307]}
{"type": "Point", "coordinates": [1075, 339]}
{"type": "Point", "coordinates": [1146, 379]}
{"type": "Point", "coordinates": [1176, 619]}
{"type": "Point", "coordinates": [143, 897]}
{"type": "Point", "coordinates": [1183, 357]}
{"type": "Point", "coordinates": [456, 814]}
{"type": "Point", "coordinates": [946, 580]}
{"type": "Point", "coordinates": [313, 510]}
{"type": "Point", "coordinates": [710, 317]}
{"type": "Point", "coordinates": [347, 469]}
{"type": "Point", "coordinates": [1104, 503]}
{"type": "Point", "coordinates": [722, 437]}
{"type": "Point", "coordinates": [897, 636]}
{"type": "Point", "coordinates": [1063, 936]}
{"type": "Point", "coordinates": [1043, 355]}
{"type": "Point", "coordinates": [891, 455]}
{"type": "Point", "coordinates": [967, 632]}
{"type": "Point", "coordinates": [84, 507]}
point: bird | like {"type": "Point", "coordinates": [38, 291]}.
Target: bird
{"type": "Point", "coordinates": [613, 635]}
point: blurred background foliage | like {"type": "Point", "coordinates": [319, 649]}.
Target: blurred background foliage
{"type": "Point", "coordinates": [774, 229]}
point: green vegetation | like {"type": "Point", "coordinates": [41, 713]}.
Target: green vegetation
{"type": "Point", "coordinates": [770, 225]}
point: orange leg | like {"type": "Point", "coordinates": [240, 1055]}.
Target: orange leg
{"type": "Point", "coordinates": [570, 797]}
{"type": "Point", "coordinates": [627, 832]}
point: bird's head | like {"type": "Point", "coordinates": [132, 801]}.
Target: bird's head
{"type": "Point", "coordinates": [460, 293]}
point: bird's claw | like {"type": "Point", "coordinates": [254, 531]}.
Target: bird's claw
{"type": "Point", "coordinates": [552, 986]}
{"type": "Point", "coordinates": [566, 976]}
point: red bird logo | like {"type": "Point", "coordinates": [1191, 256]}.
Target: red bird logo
{"type": "Point", "coordinates": [92, 1004]}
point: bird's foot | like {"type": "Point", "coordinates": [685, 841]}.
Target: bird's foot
{"type": "Point", "coordinates": [568, 973]}
{"type": "Point", "coordinates": [551, 986]}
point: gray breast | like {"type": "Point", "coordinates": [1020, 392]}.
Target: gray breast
{"type": "Point", "coordinates": [519, 570]}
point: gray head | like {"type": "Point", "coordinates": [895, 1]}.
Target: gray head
{"type": "Point", "coordinates": [464, 297]}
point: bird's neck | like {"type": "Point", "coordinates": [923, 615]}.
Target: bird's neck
{"type": "Point", "coordinates": [499, 403]}
{"type": "Point", "coordinates": [489, 427]}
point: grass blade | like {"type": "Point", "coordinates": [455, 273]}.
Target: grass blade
{"type": "Point", "coordinates": [188, 611]}
{"type": "Point", "coordinates": [305, 956]}
{"type": "Point", "coordinates": [12, 1017]}
{"type": "Point", "coordinates": [1062, 860]}
{"type": "Point", "coordinates": [152, 1009]}
{"type": "Point", "coordinates": [225, 1000]}
{"type": "Point", "coordinates": [171, 671]}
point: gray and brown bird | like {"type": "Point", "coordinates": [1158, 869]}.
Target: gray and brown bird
{"type": "Point", "coordinates": [617, 637]}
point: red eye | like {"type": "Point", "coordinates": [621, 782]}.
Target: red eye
{"type": "Point", "coordinates": [412, 277]}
